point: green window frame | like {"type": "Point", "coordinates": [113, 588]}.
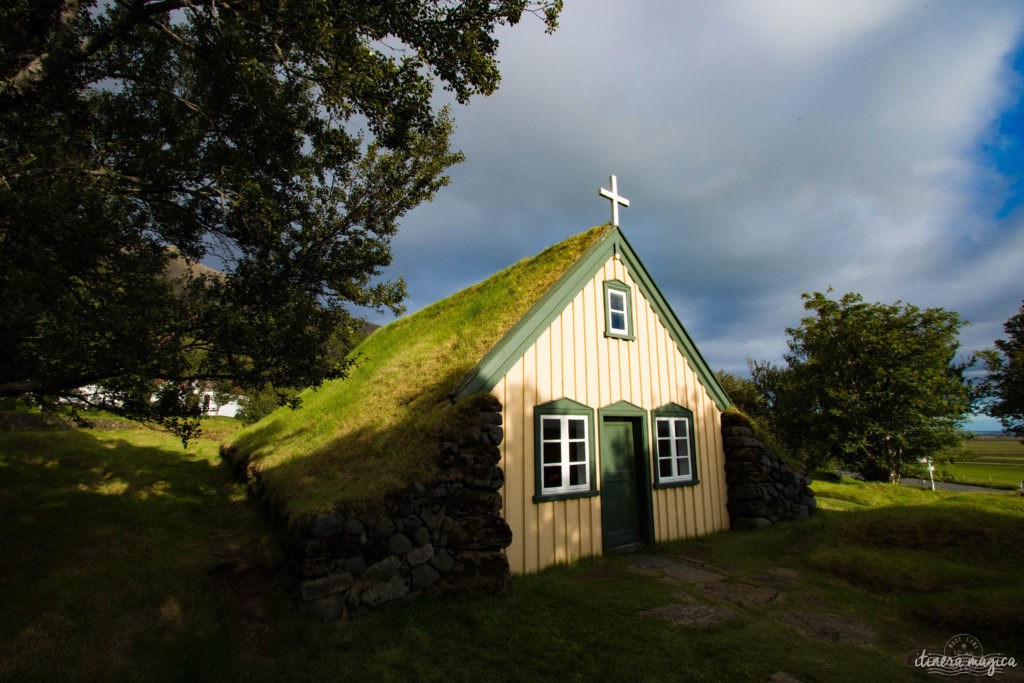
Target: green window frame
{"type": "Point", "coordinates": [564, 458]}
{"type": "Point", "coordinates": [618, 310]}
{"type": "Point", "coordinates": [675, 447]}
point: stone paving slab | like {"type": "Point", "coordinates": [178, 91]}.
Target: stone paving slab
{"type": "Point", "coordinates": [649, 561]}
{"type": "Point", "coordinates": [741, 594]}
{"type": "Point", "coordinates": [830, 627]}
{"type": "Point", "coordinates": [682, 572]}
{"type": "Point", "coordinates": [777, 576]}
{"type": "Point", "coordinates": [785, 573]}
{"type": "Point", "coordinates": [691, 615]}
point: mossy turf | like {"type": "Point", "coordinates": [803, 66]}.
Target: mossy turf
{"type": "Point", "coordinates": [355, 440]}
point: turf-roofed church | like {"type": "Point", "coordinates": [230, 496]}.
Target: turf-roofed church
{"type": "Point", "coordinates": [611, 416]}
{"type": "Point", "coordinates": [601, 431]}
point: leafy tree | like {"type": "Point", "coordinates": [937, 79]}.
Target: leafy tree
{"type": "Point", "coordinates": [873, 387]}
{"type": "Point", "coordinates": [786, 411]}
{"type": "Point", "coordinates": [259, 402]}
{"type": "Point", "coordinates": [284, 138]}
{"type": "Point", "coordinates": [743, 392]}
{"type": "Point", "coordinates": [1002, 390]}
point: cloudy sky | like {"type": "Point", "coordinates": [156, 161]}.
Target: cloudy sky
{"type": "Point", "coordinates": [767, 149]}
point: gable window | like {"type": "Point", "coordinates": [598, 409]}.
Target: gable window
{"type": "Point", "coordinates": [675, 462]}
{"type": "Point", "coordinates": [564, 441]}
{"type": "Point", "coordinates": [618, 310]}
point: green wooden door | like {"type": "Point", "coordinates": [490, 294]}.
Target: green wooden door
{"type": "Point", "coordinates": [620, 512]}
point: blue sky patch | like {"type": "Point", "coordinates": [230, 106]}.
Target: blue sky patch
{"type": "Point", "coordinates": [1005, 149]}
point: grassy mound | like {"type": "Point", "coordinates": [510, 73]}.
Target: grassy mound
{"type": "Point", "coordinates": [357, 439]}
{"type": "Point", "coordinates": [945, 557]}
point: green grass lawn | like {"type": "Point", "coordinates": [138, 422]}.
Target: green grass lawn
{"type": "Point", "coordinates": [127, 558]}
{"type": "Point", "coordinates": [107, 537]}
{"type": "Point", "coordinates": [996, 462]}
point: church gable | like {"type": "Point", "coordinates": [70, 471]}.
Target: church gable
{"type": "Point", "coordinates": [609, 352]}
{"type": "Point", "coordinates": [632, 277]}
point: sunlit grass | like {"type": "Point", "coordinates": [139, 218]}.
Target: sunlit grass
{"type": "Point", "coordinates": [996, 462]}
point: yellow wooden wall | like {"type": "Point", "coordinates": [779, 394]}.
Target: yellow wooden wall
{"type": "Point", "coordinates": [573, 359]}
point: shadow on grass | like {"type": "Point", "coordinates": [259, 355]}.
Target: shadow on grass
{"type": "Point", "coordinates": [106, 546]}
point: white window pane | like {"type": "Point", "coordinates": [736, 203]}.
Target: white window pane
{"type": "Point", "coordinates": [578, 475]}
{"type": "Point", "coordinates": [619, 321]}
{"type": "Point", "coordinates": [577, 451]}
{"type": "Point", "coordinates": [617, 301]}
{"type": "Point", "coordinates": [664, 448]}
{"type": "Point", "coordinates": [664, 468]}
{"type": "Point", "coordinates": [663, 427]}
{"type": "Point", "coordinates": [551, 428]}
{"type": "Point", "coordinates": [577, 429]}
{"type": "Point", "coordinates": [553, 477]}
{"type": "Point", "coordinates": [552, 453]}
{"type": "Point", "coordinates": [683, 465]}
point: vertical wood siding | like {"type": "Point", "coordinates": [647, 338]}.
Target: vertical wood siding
{"type": "Point", "coordinates": [573, 359]}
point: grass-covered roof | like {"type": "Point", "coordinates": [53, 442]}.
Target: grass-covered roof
{"type": "Point", "coordinates": [356, 439]}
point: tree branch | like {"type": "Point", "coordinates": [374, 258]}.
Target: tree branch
{"type": "Point", "coordinates": [65, 52]}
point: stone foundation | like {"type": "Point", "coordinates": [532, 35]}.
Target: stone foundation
{"type": "Point", "coordinates": [763, 488]}
{"type": "Point", "coordinates": [441, 536]}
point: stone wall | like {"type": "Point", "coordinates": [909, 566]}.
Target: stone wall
{"type": "Point", "coordinates": [24, 422]}
{"type": "Point", "coordinates": [763, 488]}
{"type": "Point", "coordinates": [441, 536]}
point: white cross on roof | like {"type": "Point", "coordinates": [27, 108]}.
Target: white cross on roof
{"type": "Point", "coordinates": [613, 195]}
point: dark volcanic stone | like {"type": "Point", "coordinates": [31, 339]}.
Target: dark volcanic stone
{"type": "Point", "coordinates": [385, 591]}
{"type": "Point", "coordinates": [423, 576]}
{"type": "Point", "coordinates": [443, 561]}
{"type": "Point", "coordinates": [325, 525]}
{"type": "Point", "coordinates": [327, 585]}
{"type": "Point", "coordinates": [399, 544]}
{"type": "Point", "coordinates": [355, 565]}
{"type": "Point", "coordinates": [422, 536]}
{"type": "Point", "coordinates": [383, 569]}
{"type": "Point", "coordinates": [418, 556]}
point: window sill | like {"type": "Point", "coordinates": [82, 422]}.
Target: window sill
{"type": "Point", "coordinates": [676, 484]}
{"type": "Point", "coordinates": [550, 497]}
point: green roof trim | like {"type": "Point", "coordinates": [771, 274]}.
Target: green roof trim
{"type": "Point", "coordinates": [500, 359]}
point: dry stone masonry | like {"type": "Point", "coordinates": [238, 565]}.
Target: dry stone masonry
{"type": "Point", "coordinates": [442, 536]}
{"type": "Point", "coordinates": [763, 488]}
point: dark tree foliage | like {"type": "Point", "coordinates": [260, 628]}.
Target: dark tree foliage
{"type": "Point", "coordinates": [285, 138]}
{"type": "Point", "coordinates": [872, 387]}
{"type": "Point", "coordinates": [743, 393]}
{"type": "Point", "coordinates": [1002, 390]}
